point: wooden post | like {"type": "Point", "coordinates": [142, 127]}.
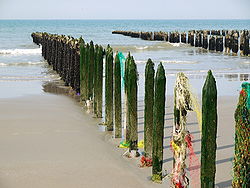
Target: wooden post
{"type": "Point", "coordinates": [148, 111]}
{"type": "Point", "coordinates": [132, 104]}
{"type": "Point", "coordinates": [235, 46]}
{"type": "Point", "coordinates": [117, 97]}
{"type": "Point", "coordinates": [126, 118]}
{"type": "Point", "coordinates": [242, 139]}
{"type": "Point", "coordinates": [209, 132]}
{"type": "Point", "coordinates": [82, 70]}
{"type": "Point", "coordinates": [246, 50]}
{"type": "Point", "coordinates": [95, 79]}
{"type": "Point", "coordinates": [158, 120]}
{"type": "Point", "coordinates": [91, 70]}
{"type": "Point", "coordinates": [99, 81]}
{"type": "Point", "coordinates": [211, 43]}
{"type": "Point", "coordinates": [109, 89]}
{"type": "Point", "coordinates": [205, 42]}
{"type": "Point", "coordinates": [86, 68]}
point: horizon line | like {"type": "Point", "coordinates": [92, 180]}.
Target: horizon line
{"type": "Point", "coordinates": [120, 19]}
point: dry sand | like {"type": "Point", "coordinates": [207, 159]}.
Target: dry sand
{"type": "Point", "coordinates": [50, 141]}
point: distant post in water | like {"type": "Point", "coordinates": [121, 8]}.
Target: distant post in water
{"type": "Point", "coordinates": [148, 111]}
{"type": "Point", "coordinates": [132, 105]}
{"type": "Point", "coordinates": [117, 97]}
{"type": "Point", "coordinates": [209, 132]}
{"type": "Point", "coordinates": [241, 162]}
{"type": "Point", "coordinates": [109, 89]}
{"type": "Point", "coordinates": [158, 120]}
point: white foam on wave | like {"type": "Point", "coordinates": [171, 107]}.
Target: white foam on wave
{"type": "Point", "coordinates": [21, 51]}
{"type": "Point", "coordinates": [141, 47]}
{"type": "Point", "coordinates": [246, 62]}
{"type": "Point", "coordinates": [140, 61]}
{"type": "Point", "coordinates": [28, 78]}
{"type": "Point", "coordinates": [178, 62]}
{"type": "Point", "coordinates": [175, 44]}
{"type": "Point", "coordinates": [21, 64]}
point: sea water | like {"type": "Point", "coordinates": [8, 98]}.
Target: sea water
{"type": "Point", "coordinates": [23, 71]}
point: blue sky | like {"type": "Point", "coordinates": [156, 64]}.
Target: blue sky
{"type": "Point", "coordinates": [124, 9]}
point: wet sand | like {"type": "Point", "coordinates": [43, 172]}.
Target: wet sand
{"type": "Point", "coordinates": [50, 141]}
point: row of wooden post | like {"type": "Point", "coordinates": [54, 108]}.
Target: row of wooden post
{"type": "Point", "coordinates": [229, 41]}
{"type": "Point", "coordinates": [80, 65]}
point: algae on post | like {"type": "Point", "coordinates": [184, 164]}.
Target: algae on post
{"type": "Point", "coordinates": [158, 120]}
{"type": "Point", "coordinates": [209, 132]}
{"type": "Point", "coordinates": [117, 97]}
{"type": "Point", "coordinates": [148, 111]}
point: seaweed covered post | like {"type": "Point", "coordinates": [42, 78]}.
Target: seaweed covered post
{"type": "Point", "coordinates": [241, 164]}
{"type": "Point", "coordinates": [91, 70]}
{"type": "Point", "coordinates": [109, 89]}
{"type": "Point", "coordinates": [95, 80]}
{"type": "Point", "coordinates": [99, 81]}
{"type": "Point", "coordinates": [82, 69]}
{"type": "Point", "coordinates": [86, 74]}
{"type": "Point", "coordinates": [209, 131]}
{"type": "Point", "coordinates": [117, 97]}
{"type": "Point", "coordinates": [148, 110]}
{"type": "Point", "coordinates": [126, 112]}
{"type": "Point", "coordinates": [158, 121]}
{"type": "Point", "coordinates": [132, 105]}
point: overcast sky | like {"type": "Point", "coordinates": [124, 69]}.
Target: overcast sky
{"type": "Point", "coordinates": [124, 9]}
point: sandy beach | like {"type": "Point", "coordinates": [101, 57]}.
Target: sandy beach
{"type": "Point", "coordinates": [50, 141]}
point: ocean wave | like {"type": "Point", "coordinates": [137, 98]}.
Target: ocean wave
{"type": "Point", "coordinates": [179, 62]}
{"type": "Point", "coordinates": [141, 47]}
{"type": "Point", "coordinates": [246, 62]}
{"type": "Point", "coordinates": [28, 78]}
{"type": "Point", "coordinates": [22, 64]}
{"type": "Point", "coordinates": [169, 61]}
{"type": "Point", "coordinates": [154, 47]}
{"type": "Point", "coordinates": [140, 61]}
{"type": "Point", "coordinates": [21, 51]}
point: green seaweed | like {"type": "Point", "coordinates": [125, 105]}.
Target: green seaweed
{"type": "Point", "coordinates": [117, 97]}
{"type": "Point", "coordinates": [148, 111]}
{"type": "Point", "coordinates": [158, 122]}
{"type": "Point", "coordinates": [132, 78]}
{"type": "Point", "coordinates": [109, 89]}
{"type": "Point", "coordinates": [241, 163]}
{"type": "Point", "coordinates": [82, 70]}
{"type": "Point", "coordinates": [209, 132]}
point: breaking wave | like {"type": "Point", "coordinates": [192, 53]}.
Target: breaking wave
{"type": "Point", "coordinates": [154, 47]}
{"type": "Point", "coordinates": [21, 51]}
{"type": "Point", "coordinates": [22, 64]}
{"type": "Point", "coordinates": [29, 78]}
{"type": "Point", "coordinates": [246, 62]}
{"type": "Point", "coordinates": [169, 61]}
{"type": "Point", "coordinates": [178, 62]}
